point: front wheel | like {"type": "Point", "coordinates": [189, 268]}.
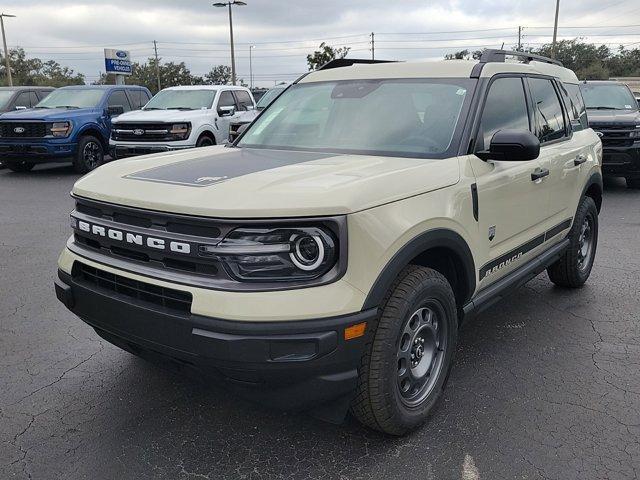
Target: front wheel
{"type": "Point", "coordinates": [205, 141]}
{"type": "Point", "coordinates": [19, 166]}
{"type": "Point", "coordinates": [407, 363]}
{"type": "Point", "coordinates": [573, 269]}
{"type": "Point", "coordinates": [90, 154]}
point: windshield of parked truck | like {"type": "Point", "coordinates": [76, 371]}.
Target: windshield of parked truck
{"type": "Point", "coordinates": [72, 98]}
{"type": "Point", "coordinates": [181, 100]}
{"type": "Point", "coordinates": [608, 96]}
{"type": "Point", "coordinates": [269, 96]}
{"type": "Point", "coordinates": [5, 96]}
{"type": "Point", "coordinates": [391, 117]}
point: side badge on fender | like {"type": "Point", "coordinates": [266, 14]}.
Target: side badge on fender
{"type": "Point", "coordinates": [492, 232]}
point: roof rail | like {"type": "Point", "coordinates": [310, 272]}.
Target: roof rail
{"type": "Point", "coordinates": [347, 62]}
{"type": "Point", "coordinates": [491, 55]}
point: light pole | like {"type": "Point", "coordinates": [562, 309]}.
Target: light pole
{"type": "Point", "coordinates": [555, 31]}
{"type": "Point", "coordinates": [251, 47]}
{"type": "Point", "coordinates": [7, 62]}
{"type": "Point", "coordinates": [233, 58]}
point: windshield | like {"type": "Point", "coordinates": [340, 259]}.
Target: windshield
{"type": "Point", "coordinates": [72, 98]}
{"type": "Point", "coordinates": [181, 100]}
{"type": "Point", "coordinates": [399, 117]}
{"type": "Point", "coordinates": [608, 96]}
{"type": "Point", "coordinates": [269, 97]}
{"type": "Point", "coordinates": [5, 96]}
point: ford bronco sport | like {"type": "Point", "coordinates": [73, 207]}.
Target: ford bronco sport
{"type": "Point", "coordinates": [326, 260]}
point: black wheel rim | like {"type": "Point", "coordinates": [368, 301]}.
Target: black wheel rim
{"type": "Point", "coordinates": [92, 155]}
{"type": "Point", "coordinates": [205, 142]}
{"type": "Point", "coordinates": [586, 240]}
{"type": "Point", "coordinates": [420, 353]}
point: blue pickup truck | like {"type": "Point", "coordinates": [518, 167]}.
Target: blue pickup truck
{"type": "Point", "coordinates": [71, 124]}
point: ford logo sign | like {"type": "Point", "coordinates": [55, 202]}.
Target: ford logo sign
{"type": "Point", "coordinates": [121, 54]}
{"type": "Point", "coordinates": [138, 131]}
{"type": "Point", "coordinates": [19, 130]}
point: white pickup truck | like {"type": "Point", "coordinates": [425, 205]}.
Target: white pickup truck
{"type": "Point", "coordinates": [178, 118]}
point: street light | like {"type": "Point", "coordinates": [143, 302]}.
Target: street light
{"type": "Point", "coordinates": [7, 62]}
{"type": "Point", "coordinates": [251, 47]}
{"type": "Point", "coordinates": [233, 59]}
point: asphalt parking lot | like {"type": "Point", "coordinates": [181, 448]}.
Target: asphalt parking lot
{"type": "Point", "coordinates": [546, 385]}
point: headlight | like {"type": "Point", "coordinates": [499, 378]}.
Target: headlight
{"type": "Point", "coordinates": [636, 134]}
{"type": "Point", "coordinates": [60, 129]}
{"type": "Point", "coordinates": [276, 254]}
{"type": "Point", "coordinates": [180, 130]}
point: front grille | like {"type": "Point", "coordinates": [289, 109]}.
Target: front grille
{"type": "Point", "coordinates": [142, 132]}
{"type": "Point", "coordinates": [165, 298]}
{"type": "Point", "coordinates": [616, 135]}
{"type": "Point", "coordinates": [23, 129]}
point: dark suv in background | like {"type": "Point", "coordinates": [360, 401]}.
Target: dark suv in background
{"type": "Point", "coordinates": [21, 98]}
{"type": "Point", "coordinates": [613, 113]}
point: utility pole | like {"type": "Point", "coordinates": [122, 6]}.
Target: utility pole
{"type": "Point", "coordinates": [233, 57]}
{"type": "Point", "coordinates": [519, 39]}
{"type": "Point", "coordinates": [7, 61]}
{"type": "Point", "coordinates": [555, 31]}
{"type": "Point", "coordinates": [251, 47]}
{"type": "Point", "coordinates": [373, 47]}
{"type": "Point", "coordinates": [155, 49]}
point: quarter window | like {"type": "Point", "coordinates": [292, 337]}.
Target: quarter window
{"type": "Point", "coordinates": [549, 118]}
{"type": "Point", "coordinates": [505, 108]}
{"type": "Point", "coordinates": [119, 99]}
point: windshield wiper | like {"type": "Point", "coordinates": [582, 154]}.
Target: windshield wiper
{"type": "Point", "coordinates": [180, 108]}
{"type": "Point", "coordinates": [66, 106]}
{"type": "Point", "coordinates": [152, 108]}
{"type": "Point", "coordinates": [41, 107]}
{"type": "Point", "coordinates": [606, 108]}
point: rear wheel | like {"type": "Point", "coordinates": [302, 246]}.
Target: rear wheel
{"type": "Point", "coordinates": [205, 141]}
{"type": "Point", "coordinates": [574, 267]}
{"type": "Point", "coordinates": [90, 154]}
{"type": "Point", "coordinates": [633, 183]}
{"type": "Point", "coordinates": [407, 362]}
{"type": "Point", "coordinates": [19, 166]}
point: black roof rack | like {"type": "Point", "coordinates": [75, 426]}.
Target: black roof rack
{"type": "Point", "coordinates": [492, 55]}
{"type": "Point", "coordinates": [347, 62]}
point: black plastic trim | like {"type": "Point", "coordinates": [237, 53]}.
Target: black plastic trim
{"type": "Point", "coordinates": [474, 200]}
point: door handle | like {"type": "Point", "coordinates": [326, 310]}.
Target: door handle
{"type": "Point", "coordinates": [579, 160]}
{"type": "Point", "coordinates": [539, 173]}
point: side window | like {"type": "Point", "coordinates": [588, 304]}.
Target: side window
{"type": "Point", "coordinates": [33, 99]}
{"type": "Point", "coordinates": [505, 108]}
{"type": "Point", "coordinates": [23, 100]}
{"type": "Point", "coordinates": [244, 99]}
{"type": "Point", "coordinates": [139, 98]}
{"type": "Point", "coordinates": [575, 104]}
{"type": "Point", "coordinates": [119, 98]}
{"type": "Point", "coordinates": [226, 100]}
{"type": "Point", "coordinates": [549, 117]}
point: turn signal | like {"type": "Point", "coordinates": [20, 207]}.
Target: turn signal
{"type": "Point", "coordinates": [355, 331]}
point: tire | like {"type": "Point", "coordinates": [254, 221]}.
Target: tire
{"type": "Point", "coordinates": [573, 269]}
{"type": "Point", "coordinates": [418, 294]}
{"type": "Point", "coordinates": [205, 141]}
{"type": "Point", "coordinates": [633, 183]}
{"type": "Point", "coordinates": [90, 154]}
{"type": "Point", "coordinates": [19, 166]}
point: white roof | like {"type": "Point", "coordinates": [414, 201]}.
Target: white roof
{"type": "Point", "coordinates": [206, 87]}
{"type": "Point", "coordinates": [439, 69]}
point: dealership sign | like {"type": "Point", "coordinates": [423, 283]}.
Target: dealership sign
{"type": "Point", "coordinates": [117, 61]}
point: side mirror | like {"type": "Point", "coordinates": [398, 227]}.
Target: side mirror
{"type": "Point", "coordinates": [20, 107]}
{"type": "Point", "coordinates": [512, 146]}
{"type": "Point", "coordinates": [226, 111]}
{"type": "Point", "coordinates": [115, 110]}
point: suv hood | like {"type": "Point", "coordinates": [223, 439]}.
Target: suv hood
{"type": "Point", "coordinates": [46, 113]}
{"type": "Point", "coordinates": [243, 183]}
{"type": "Point", "coordinates": [160, 115]}
{"type": "Point", "coordinates": [613, 117]}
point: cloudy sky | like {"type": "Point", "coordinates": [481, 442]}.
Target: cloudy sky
{"type": "Point", "coordinates": [74, 32]}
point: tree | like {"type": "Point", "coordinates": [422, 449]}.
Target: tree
{"type": "Point", "coordinates": [463, 55]}
{"type": "Point", "coordinates": [325, 54]}
{"type": "Point", "coordinates": [33, 71]}
{"type": "Point", "coordinates": [221, 75]}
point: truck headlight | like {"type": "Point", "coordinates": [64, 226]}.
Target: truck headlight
{"type": "Point", "coordinates": [60, 129]}
{"type": "Point", "coordinates": [276, 254]}
{"type": "Point", "coordinates": [180, 131]}
{"type": "Point", "coordinates": [636, 134]}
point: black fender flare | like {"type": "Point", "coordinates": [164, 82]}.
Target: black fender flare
{"type": "Point", "coordinates": [594, 179]}
{"type": "Point", "coordinates": [436, 238]}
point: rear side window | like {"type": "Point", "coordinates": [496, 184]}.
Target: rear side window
{"type": "Point", "coordinates": [139, 98]}
{"type": "Point", "coordinates": [119, 98]}
{"type": "Point", "coordinates": [548, 111]}
{"type": "Point", "coordinates": [244, 99]}
{"type": "Point", "coordinates": [574, 102]}
{"type": "Point", "coordinates": [505, 108]}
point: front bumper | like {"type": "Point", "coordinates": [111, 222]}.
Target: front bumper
{"type": "Point", "coordinates": [37, 152]}
{"type": "Point", "coordinates": [133, 150]}
{"type": "Point", "coordinates": [293, 365]}
{"type": "Point", "coordinates": [622, 161]}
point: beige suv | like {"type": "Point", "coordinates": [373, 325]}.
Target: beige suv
{"type": "Point", "coordinates": [326, 260]}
